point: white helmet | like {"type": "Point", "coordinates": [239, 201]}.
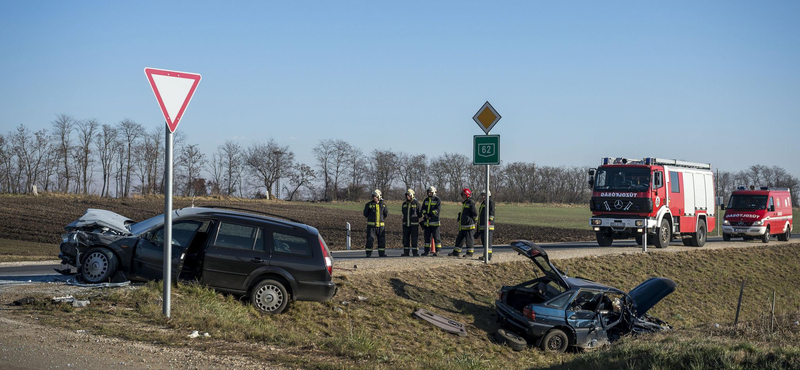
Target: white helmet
{"type": "Point", "coordinates": [377, 193]}
{"type": "Point", "coordinates": [410, 192]}
{"type": "Point", "coordinates": [432, 190]}
{"type": "Point", "coordinates": [483, 192]}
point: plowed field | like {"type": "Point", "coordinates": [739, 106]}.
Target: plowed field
{"type": "Point", "coordinates": [42, 219]}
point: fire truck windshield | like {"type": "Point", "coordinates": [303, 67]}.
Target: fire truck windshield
{"type": "Point", "coordinates": [619, 178]}
{"type": "Point", "coordinates": [748, 202]}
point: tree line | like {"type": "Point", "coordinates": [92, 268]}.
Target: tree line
{"type": "Point", "coordinates": [125, 159]}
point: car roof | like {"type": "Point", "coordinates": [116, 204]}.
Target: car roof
{"type": "Point", "coordinates": [203, 211]}
{"type": "Point", "coordinates": [579, 283]}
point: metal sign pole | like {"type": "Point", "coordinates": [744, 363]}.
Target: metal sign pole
{"type": "Point", "coordinates": [644, 236]}
{"type": "Point", "coordinates": [487, 243]}
{"type": "Point", "coordinates": [167, 242]}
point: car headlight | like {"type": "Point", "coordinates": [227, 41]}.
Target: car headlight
{"type": "Point", "coordinates": [726, 222]}
{"type": "Point", "coordinates": [639, 222]}
{"type": "Point", "coordinates": [597, 221]}
{"type": "Point", "coordinates": [758, 223]}
{"type": "Point", "coordinates": [64, 238]}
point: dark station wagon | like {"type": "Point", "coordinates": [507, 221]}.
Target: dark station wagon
{"type": "Point", "coordinates": [556, 312]}
{"type": "Point", "coordinates": [273, 261]}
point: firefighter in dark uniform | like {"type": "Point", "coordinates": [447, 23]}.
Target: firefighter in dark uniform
{"type": "Point", "coordinates": [411, 214]}
{"type": "Point", "coordinates": [466, 225]}
{"type": "Point", "coordinates": [482, 220]}
{"type": "Point", "coordinates": [431, 207]}
{"type": "Point", "coordinates": [376, 212]}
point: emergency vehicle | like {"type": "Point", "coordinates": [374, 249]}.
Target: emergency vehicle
{"type": "Point", "coordinates": [758, 214]}
{"type": "Point", "coordinates": [666, 198]}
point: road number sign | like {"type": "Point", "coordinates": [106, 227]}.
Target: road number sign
{"type": "Point", "coordinates": [486, 149]}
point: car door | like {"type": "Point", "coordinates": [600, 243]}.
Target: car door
{"type": "Point", "coordinates": [148, 257]}
{"type": "Point", "coordinates": [236, 250]}
{"type": "Point", "coordinates": [581, 314]}
{"type": "Point", "coordinates": [292, 252]}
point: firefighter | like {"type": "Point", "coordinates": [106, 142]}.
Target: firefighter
{"type": "Point", "coordinates": [376, 212]}
{"type": "Point", "coordinates": [431, 207]}
{"type": "Point", "coordinates": [482, 222]}
{"type": "Point", "coordinates": [411, 212]}
{"type": "Point", "coordinates": [466, 225]}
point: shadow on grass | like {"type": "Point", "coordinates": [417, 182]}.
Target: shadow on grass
{"type": "Point", "coordinates": [484, 316]}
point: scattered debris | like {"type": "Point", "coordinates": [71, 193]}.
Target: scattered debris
{"type": "Point", "coordinates": [345, 303]}
{"type": "Point", "coordinates": [355, 266]}
{"type": "Point", "coordinates": [716, 326]}
{"type": "Point", "coordinates": [206, 335]}
{"type": "Point", "coordinates": [70, 299]}
{"type": "Point", "coordinates": [362, 298]}
{"type": "Point", "coordinates": [338, 310]}
{"type": "Point", "coordinates": [99, 285]}
{"type": "Point", "coordinates": [80, 331]}
{"type": "Point", "coordinates": [194, 334]}
{"type": "Point", "coordinates": [797, 322]}
{"type": "Point", "coordinates": [80, 304]}
{"type": "Point", "coordinates": [450, 326]}
{"type": "Point", "coordinates": [24, 301]}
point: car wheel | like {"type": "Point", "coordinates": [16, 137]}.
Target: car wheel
{"type": "Point", "coordinates": [765, 237]}
{"type": "Point", "coordinates": [726, 237]}
{"type": "Point", "coordinates": [699, 238]}
{"type": "Point", "coordinates": [664, 235]}
{"type": "Point", "coordinates": [604, 240]}
{"type": "Point", "coordinates": [270, 296]}
{"type": "Point", "coordinates": [555, 341]}
{"type": "Point", "coordinates": [98, 266]}
{"type": "Point", "coordinates": [514, 341]}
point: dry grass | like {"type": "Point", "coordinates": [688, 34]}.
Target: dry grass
{"type": "Point", "coordinates": [18, 250]}
{"type": "Point", "coordinates": [379, 332]}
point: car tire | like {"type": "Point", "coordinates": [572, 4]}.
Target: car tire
{"type": "Point", "coordinates": [726, 237]}
{"type": "Point", "coordinates": [663, 235]}
{"type": "Point", "coordinates": [785, 236]}
{"type": "Point", "coordinates": [555, 341]}
{"type": "Point", "coordinates": [99, 265]}
{"type": "Point", "coordinates": [270, 296]}
{"type": "Point", "coordinates": [604, 240]}
{"type": "Point", "coordinates": [699, 238]}
{"type": "Point", "coordinates": [511, 339]}
{"type": "Point", "coordinates": [766, 236]}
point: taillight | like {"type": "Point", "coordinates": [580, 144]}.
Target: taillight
{"type": "Point", "coordinates": [326, 255]}
{"type": "Point", "coordinates": [528, 312]}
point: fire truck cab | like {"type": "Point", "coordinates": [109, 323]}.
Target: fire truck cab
{"type": "Point", "coordinates": [666, 198]}
{"type": "Point", "coordinates": [758, 214]}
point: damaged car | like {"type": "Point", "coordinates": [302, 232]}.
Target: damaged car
{"type": "Point", "coordinates": [270, 260]}
{"type": "Point", "coordinates": [556, 312]}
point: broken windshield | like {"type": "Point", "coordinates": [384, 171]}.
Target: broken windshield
{"type": "Point", "coordinates": [748, 202]}
{"type": "Point", "coordinates": [619, 178]}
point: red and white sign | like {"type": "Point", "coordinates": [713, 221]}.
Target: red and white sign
{"type": "Point", "coordinates": [173, 90]}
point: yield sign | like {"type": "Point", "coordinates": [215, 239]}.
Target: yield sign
{"type": "Point", "coordinates": [173, 91]}
{"type": "Point", "coordinates": [486, 117]}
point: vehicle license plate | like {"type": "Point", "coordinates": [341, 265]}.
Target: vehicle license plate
{"type": "Point", "coordinates": [617, 224]}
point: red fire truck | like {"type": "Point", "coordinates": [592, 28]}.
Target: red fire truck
{"type": "Point", "coordinates": [667, 198]}
{"type": "Point", "coordinates": [758, 214]}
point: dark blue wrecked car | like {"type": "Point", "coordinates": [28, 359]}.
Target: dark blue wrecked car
{"type": "Point", "coordinates": [556, 312]}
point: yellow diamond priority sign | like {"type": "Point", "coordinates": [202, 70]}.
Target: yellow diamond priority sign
{"type": "Point", "coordinates": [486, 117]}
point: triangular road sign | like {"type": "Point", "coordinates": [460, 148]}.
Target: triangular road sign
{"type": "Point", "coordinates": [173, 90]}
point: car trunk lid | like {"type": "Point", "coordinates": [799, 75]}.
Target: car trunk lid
{"type": "Point", "coordinates": [650, 292]}
{"type": "Point", "coordinates": [539, 257]}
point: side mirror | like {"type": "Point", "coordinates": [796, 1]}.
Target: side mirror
{"type": "Point", "coordinates": [591, 172]}
{"type": "Point", "coordinates": [591, 183]}
{"type": "Point", "coordinates": [772, 208]}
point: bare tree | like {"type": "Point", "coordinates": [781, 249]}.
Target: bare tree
{"type": "Point", "coordinates": [455, 168]}
{"type": "Point", "coordinates": [383, 169]}
{"type": "Point", "coordinates": [5, 165]}
{"type": "Point", "coordinates": [324, 153]}
{"type": "Point", "coordinates": [412, 170]}
{"type": "Point", "coordinates": [341, 151]}
{"type": "Point", "coordinates": [192, 160]}
{"type": "Point", "coordinates": [62, 129]}
{"type": "Point", "coordinates": [521, 181]}
{"type": "Point", "coordinates": [357, 171]}
{"type": "Point", "coordinates": [22, 146]}
{"type": "Point", "coordinates": [105, 148]}
{"type": "Point", "coordinates": [301, 175]}
{"type": "Point", "coordinates": [231, 154]}
{"type": "Point", "coordinates": [268, 161]}
{"type": "Point", "coordinates": [217, 169]}
{"type": "Point", "coordinates": [129, 132]}
{"type": "Point", "coordinates": [86, 132]}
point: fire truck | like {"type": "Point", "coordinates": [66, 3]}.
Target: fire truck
{"type": "Point", "coordinates": [666, 198]}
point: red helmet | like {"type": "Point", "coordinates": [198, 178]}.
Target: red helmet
{"type": "Point", "coordinates": [467, 192]}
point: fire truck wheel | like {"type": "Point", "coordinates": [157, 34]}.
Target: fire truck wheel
{"type": "Point", "coordinates": [664, 235]}
{"type": "Point", "coordinates": [699, 238]}
{"type": "Point", "coordinates": [726, 237]}
{"type": "Point", "coordinates": [604, 240]}
{"type": "Point", "coordinates": [785, 236]}
{"type": "Point", "coordinates": [687, 242]}
{"type": "Point", "coordinates": [638, 239]}
{"type": "Point", "coordinates": [765, 237]}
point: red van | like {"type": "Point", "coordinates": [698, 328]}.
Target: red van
{"type": "Point", "coordinates": [758, 214]}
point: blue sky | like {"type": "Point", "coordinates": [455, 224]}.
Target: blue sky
{"type": "Point", "coordinates": [711, 81]}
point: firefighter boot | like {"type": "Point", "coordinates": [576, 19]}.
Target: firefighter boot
{"type": "Point", "coordinates": [369, 254]}
{"type": "Point", "coordinates": [405, 253]}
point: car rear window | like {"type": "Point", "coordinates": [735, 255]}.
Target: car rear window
{"type": "Point", "coordinates": [236, 236]}
{"type": "Point", "coordinates": [290, 244]}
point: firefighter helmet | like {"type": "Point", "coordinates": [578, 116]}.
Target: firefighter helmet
{"type": "Point", "coordinates": [377, 193]}
{"type": "Point", "coordinates": [410, 192]}
{"type": "Point", "coordinates": [483, 192]}
{"type": "Point", "coordinates": [432, 190]}
{"type": "Point", "coordinates": [467, 192]}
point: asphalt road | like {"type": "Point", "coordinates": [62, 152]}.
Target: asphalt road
{"type": "Point", "coordinates": [37, 273]}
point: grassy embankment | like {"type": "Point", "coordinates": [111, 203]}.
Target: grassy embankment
{"type": "Point", "coordinates": [379, 332]}
{"type": "Point", "coordinates": [18, 250]}
{"type": "Point", "coordinates": [565, 216]}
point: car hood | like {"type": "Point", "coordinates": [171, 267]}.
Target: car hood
{"type": "Point", "coordinates": [102, 218]}
{"type": "Point", "coordinates": [649, 293]}
{"type": "Point", "coordinates": [539, 257]}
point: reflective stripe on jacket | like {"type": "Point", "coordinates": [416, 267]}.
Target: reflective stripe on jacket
{"type": "Point", "coordinates": [411, 213]}
{"type": "Point", "coordinates": [482, 217]}
{"type": "Point", "coordinates": [376, 213]}
{"type": "Point", "coordinates": [467, 215]}
{"type": "Point", "coordinates": [431, 207]}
